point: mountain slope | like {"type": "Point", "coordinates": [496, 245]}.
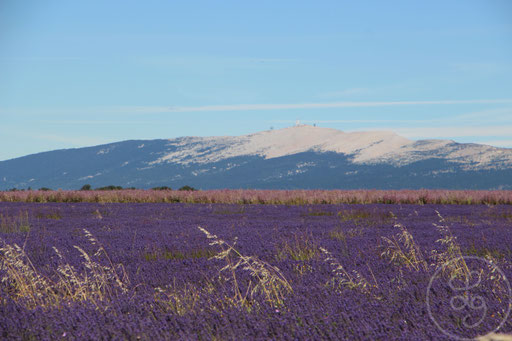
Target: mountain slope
{"type": "Point", "coordinates": [296, 157]}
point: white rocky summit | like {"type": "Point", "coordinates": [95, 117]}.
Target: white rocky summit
{"type": "Point", "coordinates": [364, 147]}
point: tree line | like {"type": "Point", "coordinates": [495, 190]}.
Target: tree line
{"type": "Point", "coordinates": [88, 187]}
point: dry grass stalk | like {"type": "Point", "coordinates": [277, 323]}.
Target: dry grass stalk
{"type": "Point", "coordinates": [22, 279]}
{"type": "Point", "coordinates": [498, 282]}
{"type": "Point", "coordinates": [452, 258]}
{"type": "Point", "coordinates": [19, 223]}
{"type": "Point", "coordinates": [402, 249]}
{"type": "Point", "coordinates": [268, 279]}
{"type": "Point", "coordinates": [303, 248]}
{"type": "Point", "coordinates": [97, 283]}
{"type": "Point", "coordinates": [343, 277]}
{"type": "Point", "coordinates": [180, 301]}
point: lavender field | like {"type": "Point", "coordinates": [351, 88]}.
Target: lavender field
{"type": "Point", "coordinates": [274, 197]}
{"type": "Point", "coordinates": [147, 271]}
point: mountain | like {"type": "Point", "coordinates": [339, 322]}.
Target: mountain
{"type": "Point", "coordinates": [300, 157]}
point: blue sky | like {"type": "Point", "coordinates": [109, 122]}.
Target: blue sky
{"type": "Point", "coordinates": [80, 73]}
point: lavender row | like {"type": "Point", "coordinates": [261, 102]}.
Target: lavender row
{"type": "Point", "coordinates": [287, 197]}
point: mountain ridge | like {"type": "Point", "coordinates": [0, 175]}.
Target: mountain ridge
{"type": "Point", "coordinates": [296, 157]}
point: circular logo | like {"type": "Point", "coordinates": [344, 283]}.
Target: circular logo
{"type": "Point", "coordinates": [469, 297]}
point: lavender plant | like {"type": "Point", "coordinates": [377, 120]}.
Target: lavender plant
{"type": "Point", "coordinates": [15, 223]}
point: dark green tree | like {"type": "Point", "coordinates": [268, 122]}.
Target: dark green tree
{"type": "Point", "coordinates": [187, 188]}
{"type": "Point", "coordinates": [162, 188]}
{"type": "Point", "coordinates": [109, 188]}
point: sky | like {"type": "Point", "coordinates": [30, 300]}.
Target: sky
{"type": "Point", "coordinates": [82, 73]}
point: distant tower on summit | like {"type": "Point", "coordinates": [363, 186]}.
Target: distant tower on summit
{"type": "Point", "coordinates": [297, 123]}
